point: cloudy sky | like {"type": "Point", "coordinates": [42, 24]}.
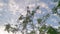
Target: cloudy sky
{"type": "Point", "coordinates": [11, 9]}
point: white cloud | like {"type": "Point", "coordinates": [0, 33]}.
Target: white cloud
{"type": "Point", "coordinates": [55, 27]}
{"type": "Point", "coordinates": [1, 5]}
{"type": "Point", "coordinates": [13, 7]}
{"type": "Point", "coordinates": [5, 32]}
{"type": "Point", "coordinates": [44, 5]}
{"type": "Point", "coordinates": [55, 14]}
{"type": "Point", "coordinates": [2, 30]}
{"type": "Point", "coordinates": [0, 14]}
{"type": "Point", "coordinates": [39, 11]}
{"type": "Point", "coordinates": [22, 11]}
{"type": "Point", "coordinates": [0, 9]}
{"type": "Point", "coordinates": [32, 5]}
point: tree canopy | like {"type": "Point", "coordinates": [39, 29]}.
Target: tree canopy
{"type": "Point", "coordinates": [27, 21]}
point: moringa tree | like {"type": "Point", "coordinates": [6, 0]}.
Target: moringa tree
{"type": "Point", "coordinates": [26, 23]}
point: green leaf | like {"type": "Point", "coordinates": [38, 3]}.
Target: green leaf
{"type": "Point", "coordinates": [8, 26]}
{"type": "Point", "coordinates": [39, 20]}
{"type": "Point", "coordinates": [59, 22]}
{"type": "Point", "coordinates": [58, 4]}
{"type": "Point", "coordinates": [21, 17]}
{"type": "Point", "coordinates": [54, 10]}
{"type": "Point", "coordinates": [37, 7]}
{"type": "Point", "coordinates": [27, 18]}
{"type": "Point", "coordinates": [43, 28]}
{"type": "Point", "coordinates": [32, 13]}
{"type": "Point", "coordinates": [25, 22]}
{"type": "Point", "coordinates": [32, 32]}
{"type": "Point", "coordinates": [54, 0]}
{"type": "Point", "coordinates": [52, 31]}
{"type": "Point", "coordinates": [30, 20]}
{"type": "Point", "coordinates": [14, 29]}
{"type": "Point", "coordinates": [47, 15]}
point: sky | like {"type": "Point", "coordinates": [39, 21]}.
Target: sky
{"type": "Point", "coordinates": [10, 10]}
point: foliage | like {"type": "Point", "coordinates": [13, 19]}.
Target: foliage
{"type": "Point", "coordinates": [39, 20]}
{"type": "Point", "coordinates": [8, 26]}
{"type": "Point", "coordinates": [28, 20]}
{"type": "Point", "coordinates": [52, 30]}
{"type": "Point", "coordinates": [32, 32]}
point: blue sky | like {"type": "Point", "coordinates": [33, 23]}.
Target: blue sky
{"type": "Point", "coordinates": [11, 9]}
